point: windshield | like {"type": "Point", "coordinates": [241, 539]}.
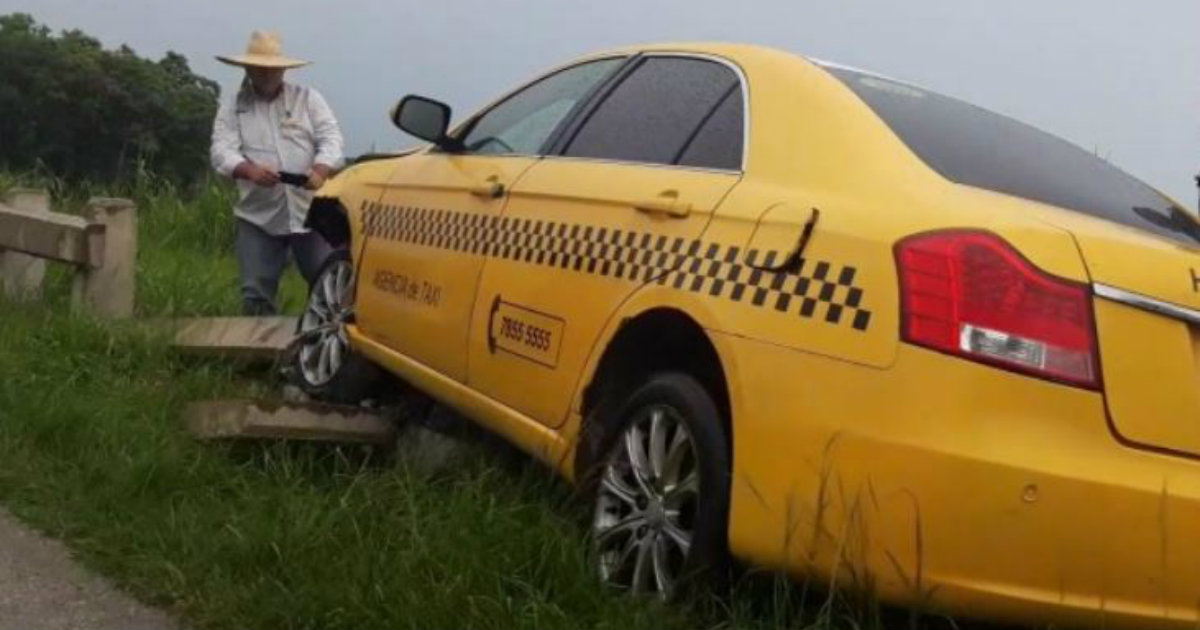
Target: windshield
{"type": "Point", "coordinates": [973, 146]}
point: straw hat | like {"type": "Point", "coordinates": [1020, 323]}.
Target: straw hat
{"type": "Point", "coordinates": [262, 52]}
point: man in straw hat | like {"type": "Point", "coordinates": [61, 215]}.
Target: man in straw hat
{"type": "Point", "coordinates": [272, 126]}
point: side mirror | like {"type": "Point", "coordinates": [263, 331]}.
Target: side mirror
{"type": "Point", "coordinates": [426, 119]}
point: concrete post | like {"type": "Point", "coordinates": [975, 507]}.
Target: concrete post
{"type": "Point", "coordinates": [108, 290]}
{"type": "Point", "coordinates": [23, 274]}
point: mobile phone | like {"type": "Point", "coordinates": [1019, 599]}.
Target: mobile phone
{"type": "Point", "coordinates": [293, 179]}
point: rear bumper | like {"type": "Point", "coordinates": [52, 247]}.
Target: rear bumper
{"type": "Point", "coordinates": [958, 487]}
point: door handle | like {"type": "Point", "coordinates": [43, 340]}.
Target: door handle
{"type": "Point", "coordinates": [490, 188]}
{"type": "Point", "coordinates": [666, 204]}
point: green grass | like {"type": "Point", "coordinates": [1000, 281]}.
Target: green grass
{"type": "Point", "coordinates": [272, 536]}
{"type": "Point", "coordinates": [278, 535]}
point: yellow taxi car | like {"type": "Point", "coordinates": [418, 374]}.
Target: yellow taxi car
{"type": "Point", "coordinates": [823, 320]}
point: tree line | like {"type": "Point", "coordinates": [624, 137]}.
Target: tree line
{"type": "Point", "coordinates": [84, 113]}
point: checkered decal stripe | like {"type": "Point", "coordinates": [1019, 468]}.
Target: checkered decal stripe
{"type": "Point", "coordinates": [812, 289]}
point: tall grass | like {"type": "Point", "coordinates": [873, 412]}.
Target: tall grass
{"type": "Point", "coordinates": [273, 536]}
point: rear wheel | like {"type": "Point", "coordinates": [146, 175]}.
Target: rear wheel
{"type": "Point", "coordinates": [662, 494]}
{"type": "Point", "coordinates": [324, 364]}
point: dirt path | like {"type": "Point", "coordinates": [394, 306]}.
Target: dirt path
{"type": "Point", "coordinates": [42, 588]}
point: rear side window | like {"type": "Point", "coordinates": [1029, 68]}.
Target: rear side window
{"type": "Point", "coordinates": [718, 143]}
{"type": "Point", "coordinates": [973, 146]}
{"type": "Point", "coordinates": [654, 113]}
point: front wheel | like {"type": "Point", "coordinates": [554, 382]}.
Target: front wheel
{"type": "Point", "coordinates": [325, 366]}
{"type": "Point", "coordinates": [662, 497]}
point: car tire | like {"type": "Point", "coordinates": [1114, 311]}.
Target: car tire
{"type": "Point", "coordinates": [323, 364]}
{"type": "Point", "coordinates": [661, 491]}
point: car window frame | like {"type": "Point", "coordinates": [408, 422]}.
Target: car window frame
{"type": "Point", "coordinates": [579, 118]}
{"type": "Point", "coordinates": [464, 129]}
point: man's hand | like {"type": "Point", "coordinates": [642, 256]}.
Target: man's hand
{"type": "Point", "coordinates": [317, 176]}
{"type": "Point", "coordinates": [264, 176]}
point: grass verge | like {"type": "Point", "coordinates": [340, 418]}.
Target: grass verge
{"type": "Point", "coordinates": [261, 536]}
{"type": "Point", "coordinates": [272, 536]}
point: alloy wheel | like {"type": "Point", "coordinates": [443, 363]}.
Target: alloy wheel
{"type": "Point", "coordinates": [324, 345]}
{"type": "Point", "coordinates": [646, 504]}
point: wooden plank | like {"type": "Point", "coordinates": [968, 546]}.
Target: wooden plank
{"type": "Point", "coordinates": [259, 420]}
{"type": "Point", "coordinates": [62, 237]}
{"type": "Point", "coordinates": [236, 337]}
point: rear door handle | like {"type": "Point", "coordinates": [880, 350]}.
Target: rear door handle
{"type": "Point", "coordinates": [666, 204]}
{"type": "Point", "coordinates": [490, 188]}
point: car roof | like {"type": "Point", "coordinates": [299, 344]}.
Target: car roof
{"type": "Point", "coordinates": [735, 51]}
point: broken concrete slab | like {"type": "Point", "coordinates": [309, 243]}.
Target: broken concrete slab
{"type": "Point", "coordinates": [247, 419]}
{"type": "Point", "coordinates": [292, 394]}
{"type": "Point", "coordinates": [424, 449]}
{"type": "Point", "coordinates": [431, 452]}
{"type": "Point", "coordinates": [235, 337]}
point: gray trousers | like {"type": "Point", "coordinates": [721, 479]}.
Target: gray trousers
{"type": "Point", "coordinates": [263, 257]}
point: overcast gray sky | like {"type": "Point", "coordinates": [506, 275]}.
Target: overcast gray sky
{"type": "Point", "coordinates": [1119, 77]}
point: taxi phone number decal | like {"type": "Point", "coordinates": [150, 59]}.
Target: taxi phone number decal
{"type": "Point", "coordinates": [524, 332]}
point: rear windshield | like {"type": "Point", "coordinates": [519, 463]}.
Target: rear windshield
{"type": "Point", "coordinates": [973, 146]}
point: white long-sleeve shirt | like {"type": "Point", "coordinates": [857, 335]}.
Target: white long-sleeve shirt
{"type": "Point", "coordinates": [289, 133]}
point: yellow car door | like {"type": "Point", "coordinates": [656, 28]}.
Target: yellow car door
{"type": "Point", "coordinates": [622, 200]}
{"type": "Point", "coordinates": [439, 219]}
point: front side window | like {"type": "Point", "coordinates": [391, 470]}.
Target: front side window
{"type": "Point", "coordinates": [656, 111]}
{"type": "Point", "coordinates": [523, 122]}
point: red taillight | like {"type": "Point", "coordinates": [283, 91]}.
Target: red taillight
{"type": "Point", "coordinates": [972, 295]}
